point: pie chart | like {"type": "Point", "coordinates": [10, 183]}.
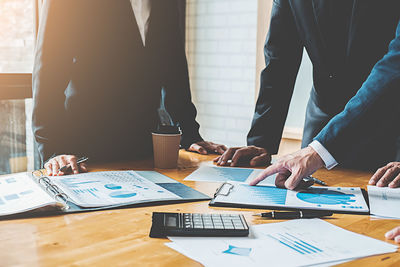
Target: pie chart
{"type": "Point", "coordinates": [326, 196]}
{"type": "Point", "coordinates": [112, 186]}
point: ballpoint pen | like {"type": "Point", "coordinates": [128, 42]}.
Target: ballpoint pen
{"type": "Point", "coordinates": [79, 161]}
{"type": "Point", "coordinates": [294, 214]}
{"type": "Point", "coordinates": [315, 180]}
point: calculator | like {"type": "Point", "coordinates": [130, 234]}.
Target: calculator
{"type": "Point", "coordinates": [196, 224]}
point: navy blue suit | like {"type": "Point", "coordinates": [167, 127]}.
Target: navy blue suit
{"type": "Point", "coordinates": [373, 111]}
{"type": "Point", "coordinates": [344, 40]}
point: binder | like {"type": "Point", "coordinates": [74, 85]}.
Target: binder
{"type": "Point", "coordinates": [334, 199]}
{"type": "Point", "coordinates": [58, 201]}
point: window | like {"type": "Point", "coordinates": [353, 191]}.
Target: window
{"type": "Point", "coordinates": [16, 61]}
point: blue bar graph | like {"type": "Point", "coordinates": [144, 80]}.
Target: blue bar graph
{"type": "Point", "coordinates": [91, 191]}
{"type": "Point", "coordinates": [296, 244]}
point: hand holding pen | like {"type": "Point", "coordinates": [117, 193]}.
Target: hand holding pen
{"type": "Point", "coordinates": [64, 164]}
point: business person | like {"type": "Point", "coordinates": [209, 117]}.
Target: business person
{"type": "Point", "coordinates": [372, 111]}
{"type": "Point", "coordinates": [98, 72]}
{"type": "Point", "coordinates": [344, 39]}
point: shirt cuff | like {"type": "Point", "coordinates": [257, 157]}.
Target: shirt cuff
{"type": "Point", "coordinates": [328, 159]}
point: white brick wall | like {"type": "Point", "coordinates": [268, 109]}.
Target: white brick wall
{"type": "Point", "coordinates": [221, 49]}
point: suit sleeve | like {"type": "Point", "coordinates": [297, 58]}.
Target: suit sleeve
{"type": "Point", "coordinates": [283, 51]}
{"type": "Point", "coordinates": [375, 104]}
{"type": "Point", "coordinates": [52, 65]}
{"type": "Point", "coordinates": [178, 100]}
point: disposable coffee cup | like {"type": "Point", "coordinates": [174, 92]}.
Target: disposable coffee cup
{"type": "Point", "coordinates": [166, 147]}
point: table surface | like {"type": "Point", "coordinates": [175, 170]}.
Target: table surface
{"type": "Point", "coordinates": [120, 237]}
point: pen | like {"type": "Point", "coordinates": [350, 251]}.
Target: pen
{"type": "Point", "coordinates": [294, 214]}
{"type": "Point", "coordinates": [315, 180]}
{"type": "Point", "coordinates": [79, 161]}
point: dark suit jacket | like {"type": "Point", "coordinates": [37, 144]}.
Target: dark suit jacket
{"type": "Point", "coordinates": [343, 38]}
{"type": "Point", "coordinates": [373, 110]}
{"type": "Point", "coordinates": [96, 89]}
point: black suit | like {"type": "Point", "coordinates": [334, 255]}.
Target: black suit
{"type": "Point", "coordinates": [96, 88]}
{"type": "Point", "coordinates": [343, 38]}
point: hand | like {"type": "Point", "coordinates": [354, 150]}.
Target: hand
{"type": "Point", "coordinates": [291, 169]}
{"type": "Point", "coordinates": [388, 175]}
{"type": "Point", "coordinates": [54, 165]}
{"type": "Point", "coordinates": [205, 147]}
{"type": "Point", "coordinates": [252, 155]}
{"type": "Point", "coordinates": [394, 234]}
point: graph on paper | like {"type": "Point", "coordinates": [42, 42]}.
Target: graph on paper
{"type": "Point", "coordinates": [225, 174]}
{"type": "Point", "coordinates": [18, 193]}
{"type": "Point", "coordinates": [325, 198]}
{"type": "Point", "coordinates": [110, 188]}
{"type": "Point", "coordinates": [296, 244]}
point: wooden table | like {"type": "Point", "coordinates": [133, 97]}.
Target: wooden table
{"type": "Point", "coordinates": [120, 237]}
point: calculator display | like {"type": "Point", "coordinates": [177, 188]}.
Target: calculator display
{"type": "Point", "coordinates": [171, 221]}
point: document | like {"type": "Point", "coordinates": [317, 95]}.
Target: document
{"type": "Point", "coordinates": [224, 174]}
{"type": "Point", "coordinates": [343, 199]}
{"type": "Point", "coordinates": [97, 189]}
{"type": "Point", "coordinates": [293, 243]}
{"type": "Point", "coordinates": [384, 201]}
{"type": "Point", "coordinates": [19, 193]}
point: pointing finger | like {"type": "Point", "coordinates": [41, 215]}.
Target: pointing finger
{"type": "Point", "coordinates": [267, 172]}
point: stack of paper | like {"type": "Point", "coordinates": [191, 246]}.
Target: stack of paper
{"type": "Point", "coordinates": [292, 243]}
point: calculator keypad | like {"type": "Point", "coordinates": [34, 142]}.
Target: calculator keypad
{"type": "Point", "coordinates": [214, 221]}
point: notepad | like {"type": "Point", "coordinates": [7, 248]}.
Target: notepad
{"type": "Point", "coordinates": [337, 199]}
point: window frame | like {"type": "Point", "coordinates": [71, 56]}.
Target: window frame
{"type": "Point", "coordinates": [19, 85]}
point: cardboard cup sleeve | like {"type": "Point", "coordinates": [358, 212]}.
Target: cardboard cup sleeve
{"type": "Point", "coordinates": [166, 150]}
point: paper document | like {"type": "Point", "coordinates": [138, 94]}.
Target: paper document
{"type": "Point", "coordinates": [223, 174]}
{"type": "Point", "coordinates": [19, 193]}
{"type": "Point", "coordinates": [96, 189]}
{"type": "Point", "coordinates": [384, 201]}
{"type": "Point", "coordinates": [292, 243]}
{"type": "Point", "coordinates": [345, 199]}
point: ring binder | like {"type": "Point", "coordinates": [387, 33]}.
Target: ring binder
{"type": "Point", "coordinates": [220, 192]}
{"type": "Point", "coordinates": [52, 188]}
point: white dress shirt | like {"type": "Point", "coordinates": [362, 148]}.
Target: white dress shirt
{"type": "Point", "coordinates": [327, 158]}
{"type": "Point", "coordinates": [141, 9]}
